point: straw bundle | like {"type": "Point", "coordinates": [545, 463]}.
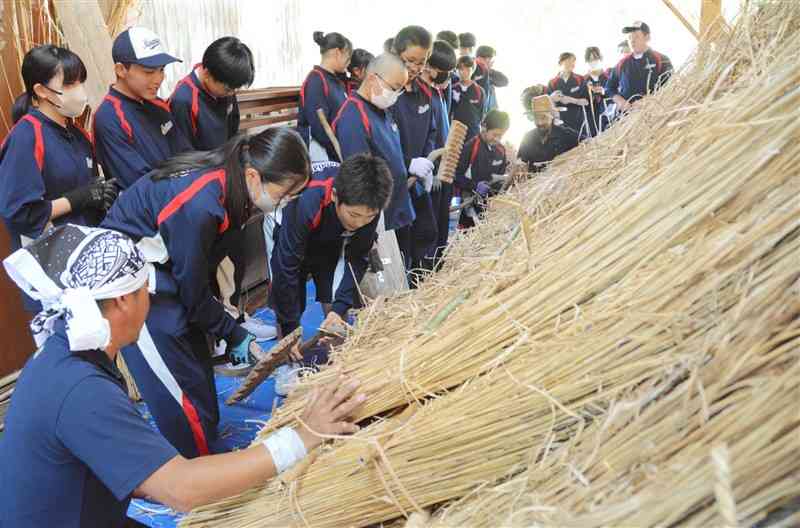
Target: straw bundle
{"type": "Point", "coordinates": [667, 251]}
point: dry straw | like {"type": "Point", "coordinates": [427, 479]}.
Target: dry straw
{"type": "Point", "coordinates": [657, 265]}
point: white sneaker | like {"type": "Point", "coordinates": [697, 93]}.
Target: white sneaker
{"type": "Point", "coordinates": [286, 378]}
{"type": "Point", "coordinates": [262, 331]}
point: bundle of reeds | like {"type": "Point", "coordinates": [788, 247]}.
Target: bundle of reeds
{"type": "Point", "coordinates": [667, 252]}
{"type": "Point", "coordinates": [6, 390]}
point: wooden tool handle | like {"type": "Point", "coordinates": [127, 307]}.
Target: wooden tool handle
{"type": "Point", "coordinates": [329, 131]}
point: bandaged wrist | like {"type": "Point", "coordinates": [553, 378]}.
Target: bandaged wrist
{"type": "Point", "coordinates": [286, 448]}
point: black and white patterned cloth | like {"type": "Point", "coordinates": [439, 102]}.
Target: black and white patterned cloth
{"type": "Point", "coordinates": [69, 269]}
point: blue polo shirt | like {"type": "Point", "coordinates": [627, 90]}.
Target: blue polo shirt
{"type": "Point", "coordinates": [132, 136]}
{"type": "Point", "coordinates": [204, 120]}
{"type": "Point", "coordinates": [360, 127]}
{"type": "Point", "coordinates": [75, 448]}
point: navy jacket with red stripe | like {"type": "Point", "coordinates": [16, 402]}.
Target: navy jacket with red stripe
{"type": "Point", "coordinates": [634, 78]}
{"type": "Point", "coordinates": [132, 137]}
{"type": "Point", "coordinates": [360, 127]}
{"type": "Point", "coordinates": [413, 113]}
{"type": "Point", "coordinates": [311, 235]}
{"type": "Point", "coordinates": [321, 89]}
{"type": "Point", "coordinates": [469, 105]}
{"type": "Point", "coordinates": [40, 161]}
{"type": "Point", "coordinates": [204, 120]}
{"type": "Point", "coordinates": [479, 162]}
{"type": "Point", "coordinates": [573, 87]}
{"type": "Point", "coordinates": [186, 212]}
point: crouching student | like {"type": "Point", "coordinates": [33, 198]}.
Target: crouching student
{"type": "Point", "coordinates": [324, 89]}
{"type": "Point", "coordinates": [206, 111]}
{"type": "Point", "coordinates": [179, 214]}
{"type": "Point", "coordinates": [482, 168]}
{"type": "Point", "coordinates": [327, 233]}
{"type": "Point", "coordinates": [469, 99]}
{"type": "Point", "coordinates": [204, 106]}
{"type": "Point", "coordinates": [75, 449]}
{"type": "Point", "coordinates": [133, 128]}
{"type": "Point", "coordinates": [549, 139]}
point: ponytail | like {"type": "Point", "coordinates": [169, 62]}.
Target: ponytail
{"type": "Point", "coordinates": [329, 41]}
{"type": "Point", "coordinates": [22, 105]}
{"type": "Point", "coordinates": [277, 154]}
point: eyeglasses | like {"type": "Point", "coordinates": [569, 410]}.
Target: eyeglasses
{"type": "Point", "coordinates": [398, 91]}
{"type": "Point", "coordinates": [415, 64]}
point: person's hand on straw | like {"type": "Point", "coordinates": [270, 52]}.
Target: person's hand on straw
{"type": "Point", "coordinates": [329, 411]}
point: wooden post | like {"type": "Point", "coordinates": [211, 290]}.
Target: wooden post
{"type": "Point", "coordinates": [711, 22]}
{"type": "Point", "coordinates": [87, 34]}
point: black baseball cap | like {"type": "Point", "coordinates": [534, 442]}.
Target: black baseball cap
{"type": "Point", "coordinates": [139, 45]}
{"type": "Point", "coordinates": [637, 26]}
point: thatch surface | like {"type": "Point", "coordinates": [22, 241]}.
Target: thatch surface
{"type": "Point", "coordinates": [621, 331]}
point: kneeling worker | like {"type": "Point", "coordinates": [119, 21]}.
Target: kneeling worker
{"type": "Point", "coordinates": [75, 448]}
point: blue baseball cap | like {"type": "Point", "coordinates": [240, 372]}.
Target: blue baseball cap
{"type": "Point", "coordinates": [139, 45]}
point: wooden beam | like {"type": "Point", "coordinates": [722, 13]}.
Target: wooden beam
{"type": "Point", "coordinates": [86, 33]}
{"type": "Point", "coordinates": [711, 21]}
{"type": "Point", "coordinates": [684, 21]}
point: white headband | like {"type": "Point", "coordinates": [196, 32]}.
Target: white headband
{"type": "Point", "coordinates": [68, 270]}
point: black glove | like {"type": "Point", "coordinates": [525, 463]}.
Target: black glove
{"type": "Point", "coordinates": [110, 193]}
{"type": "Point", "coordinates": [89, 196]}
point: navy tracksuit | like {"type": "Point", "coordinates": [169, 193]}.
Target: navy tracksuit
{"type": "Point", "coordinates": [478, 162]}
{"type": "Point", "coordinates": [204, 120]}
{"type": "Point", "coordinates": [634, 78]}
{"type": "Point", "coordinates": [131, 136]}
{"type": "Point", "coordinates": [574, 117]}
{"type": "Point", "coordinates": [540, 146]}
{"type": "Point", "coordinates": [311, 240]}
{"type": "Point", "coordinates": [325, 90]}
{"type": "Point", "coordinates": [441, 198]}
{"type": "Point", "coordinates": [360, 127]}
{"type": "Point", "coordinates": [40, 161]}
{"type": "Point", "coordinates": [595, 111]}
{"type": "Point", "coordinates": [177, 222]}
{"type": "Point", "coordinates": [469, 104]}
{"type": "Point", "coordinates": [418, 126]}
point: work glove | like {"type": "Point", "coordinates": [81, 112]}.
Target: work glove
{"type": "Point", "coordinates": [482, 189]}
{"type": "Point", "coordinates": [421, 167]}
{"type": "Point", "coordinates": [91, 196]}
{"type": "Point", "coordinates": [110, 193]}
{"type": "Point", "coordinates": [244, 352]}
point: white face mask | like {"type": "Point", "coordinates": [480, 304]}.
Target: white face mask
{"type": "Point", "coordinates": [73, 101]}
{"type": "Point", "coordinates": [596, 65]}
{"type": "Point", "coordinates": [263, 200]}
{"type": "Point", "coordinates": [385, 99]}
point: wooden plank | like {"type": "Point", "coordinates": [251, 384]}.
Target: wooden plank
{"type": "Point", "coordinates": [86, 33]}
{"type": "Point", "coordinates": [258, 107]}
{"type": "Point", "coordinates": [683, 20]}
{"type": "Point", "coordinates": [283, 118]}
